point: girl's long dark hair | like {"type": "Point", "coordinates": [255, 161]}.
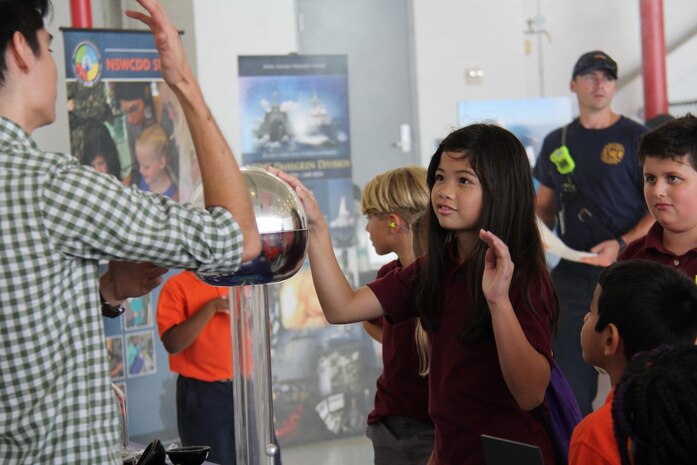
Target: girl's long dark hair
{"type": "Point", "coordinates": [508, 210]}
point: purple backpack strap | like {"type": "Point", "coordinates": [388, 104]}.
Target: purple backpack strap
{"type": "Point", "coordinates": [564, 413]}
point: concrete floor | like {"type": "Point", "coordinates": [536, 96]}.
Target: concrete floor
{"type": "Point", "coordinates": [350, 451]}
{"type": "Point", "coordinates": [359, 450]}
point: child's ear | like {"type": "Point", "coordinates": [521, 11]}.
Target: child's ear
{"type": "Point", "coordinates": [162, 161]}
{"type": "Point", "coordinates": [394, 222]}
{"type": "Point", "coordinates": [612, 341]}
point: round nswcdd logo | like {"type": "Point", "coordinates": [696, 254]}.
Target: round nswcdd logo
{"type": "Point", "coordinates": [87, 63]}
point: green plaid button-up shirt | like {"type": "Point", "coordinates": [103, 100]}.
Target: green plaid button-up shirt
{"type": "Point", "coordinates": [57, 220]}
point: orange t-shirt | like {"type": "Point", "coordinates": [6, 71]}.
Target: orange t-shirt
{"type": "Point", "coordinates": [593, 440]}
{"type": "Point", "coordinates": [209, 358]}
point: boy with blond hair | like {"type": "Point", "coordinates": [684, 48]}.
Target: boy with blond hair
{"type": "Point", "coordinates": [399, 425]}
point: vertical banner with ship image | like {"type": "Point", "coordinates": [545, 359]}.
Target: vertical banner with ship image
{"type": "Point", "coordinates": [295, 116]}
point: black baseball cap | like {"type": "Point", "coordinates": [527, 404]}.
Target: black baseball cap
{"type": "Point", "coordinates": [595, 60]}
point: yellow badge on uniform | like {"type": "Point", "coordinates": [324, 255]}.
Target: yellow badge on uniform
{"type": "Point", "coordinates": [612, 153]}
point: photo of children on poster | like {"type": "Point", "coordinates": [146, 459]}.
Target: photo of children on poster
{"type": "Point", "coordinates": [115, 356]}
{"type": "Point", "coordinates": [140, 354]}
{"type": "Point", "coordinates": [123, 119]}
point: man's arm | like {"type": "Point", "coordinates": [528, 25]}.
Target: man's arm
{"type": "Point", "coordinates": [546, 206]}
{"type": "Point", "coordinates": [223, 183]}
{"type": "Point", "coordinates": [609, 250]}
{"type": "Point", "coordinates": [123, 280]}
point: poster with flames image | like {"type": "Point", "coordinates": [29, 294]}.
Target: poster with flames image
{"type": "Point", "coordinates": [323, 375]}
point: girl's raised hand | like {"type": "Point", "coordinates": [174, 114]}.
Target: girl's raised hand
{"type": "Point", "coordinates": [314, 214]}
{"type": "Point", "coordinates": [498, 269]}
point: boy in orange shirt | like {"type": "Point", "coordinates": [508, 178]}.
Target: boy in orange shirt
{"type": "Point", "coordinates": [637, 306]}
{"type": "Point", "coordinates": [193, 321]}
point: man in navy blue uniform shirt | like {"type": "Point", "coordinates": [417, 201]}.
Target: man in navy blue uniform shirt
{"type": "Point", "coordinates": [591, 189]}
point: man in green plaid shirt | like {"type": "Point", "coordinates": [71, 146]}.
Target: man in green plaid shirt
{"type": "Point", "coordinates": [58, 219]}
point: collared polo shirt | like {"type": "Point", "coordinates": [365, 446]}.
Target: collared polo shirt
{"type": "Point", "coordinates": [650, 247]}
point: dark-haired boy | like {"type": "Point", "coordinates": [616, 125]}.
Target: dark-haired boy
{"type": "Point", "coordinates": [638, 305]}
{"type": "Point", "coordinates": [669, 157]}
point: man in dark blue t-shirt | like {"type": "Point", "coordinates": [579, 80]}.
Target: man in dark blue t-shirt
{"type": "Point", "coordinates": [591, 187]}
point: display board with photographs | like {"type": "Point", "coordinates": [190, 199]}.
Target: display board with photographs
{"type": "Point", "coordinates": [125, 122]}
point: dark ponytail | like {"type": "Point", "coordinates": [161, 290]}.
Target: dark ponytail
{"type": "Point", "coordinates": [654, 409]}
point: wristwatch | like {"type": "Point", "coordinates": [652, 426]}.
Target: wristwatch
{"type": "Point", "coordinates": [109, 310]}
{"type": "Point", "coordinates": [623, 245]}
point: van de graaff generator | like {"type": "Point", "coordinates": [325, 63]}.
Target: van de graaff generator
{"type": "Point", "coordinates": [282, 225]}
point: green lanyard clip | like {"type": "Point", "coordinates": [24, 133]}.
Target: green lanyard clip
{"type": "Point", "coordinates": [562, 158]}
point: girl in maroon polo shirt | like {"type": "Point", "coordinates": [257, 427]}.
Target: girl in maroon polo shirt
{"type": "Point", "coordinates": [489, 322]}
{"type": "Point", "coordinates": [399, 426]}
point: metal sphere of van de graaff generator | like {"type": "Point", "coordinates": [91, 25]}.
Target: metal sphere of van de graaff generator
{"type": "Point", "coordinates": [282, 225]}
